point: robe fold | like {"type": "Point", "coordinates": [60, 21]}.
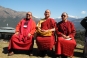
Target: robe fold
{"type": "Point", "coordinates": [44, 41]}
{"type": "Point", "coordinates": [22, 41]}
{"type": "Point", "coordinates": [63, 46]}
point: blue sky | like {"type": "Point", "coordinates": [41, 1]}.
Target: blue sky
{"type": "Point", "coordinates": [74, 8]}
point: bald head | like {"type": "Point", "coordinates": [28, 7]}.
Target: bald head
{"type": "Point", "coordinates": [64, 16]}
{"type": "Point", "coordinates": [47, 10]}
{"type": "Point", "coordinates": [28, 15]}
{"type": "Point", "coordinates": [47, 13]}
{"type": "Point", "coordinates": [64, 13]}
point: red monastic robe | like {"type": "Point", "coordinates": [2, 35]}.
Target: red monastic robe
{"type": "Point", "coordinates": [63, 46]}
{"type": "Point", "coordinates": [22, 41]}
{"type": "Point", "coordinates": [46, 42]}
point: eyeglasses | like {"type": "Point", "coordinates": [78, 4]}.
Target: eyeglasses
{"type": "Point", "coordinates": [28, 15]}
{"type": "Point", "coordinates": [63, 16]}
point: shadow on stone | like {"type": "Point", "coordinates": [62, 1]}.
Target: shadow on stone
{"type": "Point", "coordinates": [79, 48]}
{"type": "Point", "coordinates": [78, 54]}
{"type": "Point", "coordinates": [5, 50]}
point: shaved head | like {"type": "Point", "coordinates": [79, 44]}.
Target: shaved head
{"type": "Point", "coordinates": [64, 16]}
{"type": "Point", "coordinates": [29, 15]}
{"type": "Point", "coordinates": [47, 13]}
{"type": "Point", "coordinates": [64, 13]}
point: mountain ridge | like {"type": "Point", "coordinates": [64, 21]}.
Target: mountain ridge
{"type": "Point", "coordinates": [12, 17]}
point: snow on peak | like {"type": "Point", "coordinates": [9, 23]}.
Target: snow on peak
{"type": "Point", "coordinates": [70, 16]}
{"type": "Point", "coordinates": [76, 17]}
{"type": "Point", "coordinates": [36, 17]}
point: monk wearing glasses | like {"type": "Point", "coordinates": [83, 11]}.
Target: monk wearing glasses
{"type": "Point", "coordinates": [23, 37]}
{"type": "Point", "coordinates": [65, 42]}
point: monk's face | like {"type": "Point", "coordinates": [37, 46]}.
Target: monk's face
{"type": "Point", "coordinates": [29, 15]}
{"type": "Point", "coordinates": [47, 13]}
{"type": "Point", "coordinates": [64, 16]}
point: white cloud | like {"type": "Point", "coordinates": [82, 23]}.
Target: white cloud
{"type": "Point", "coordinates": [83, 12]}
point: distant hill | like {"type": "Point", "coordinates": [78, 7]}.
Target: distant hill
{"type": "Point", "coordinates": [11, 17]}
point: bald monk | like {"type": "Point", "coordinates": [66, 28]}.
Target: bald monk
{"type": "Point", "coordinates": [23, 37]}
{"type": "Point", "coordinates": [45, 33]}
{"type": "Point", "coordinates": [65, 42]}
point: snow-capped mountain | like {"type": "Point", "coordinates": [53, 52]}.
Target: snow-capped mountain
{"type": "Point", "coordinates": [12, 17]}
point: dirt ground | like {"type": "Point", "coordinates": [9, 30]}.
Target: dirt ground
{"type": "Point", "coordinates": [4, 53]}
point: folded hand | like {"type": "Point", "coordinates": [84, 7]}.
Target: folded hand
{"type": "Point", "coordinates": [16, 33]}
{"type": "Point", "coordinates": [29, 35]}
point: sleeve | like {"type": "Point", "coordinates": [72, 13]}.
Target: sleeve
{"type": "Point", "coordinates": [73, 31]}
{"type": "Point", "coordinates": [18, 26]}
{"type": "Point", "coordinates": [53, 23]}
{"type": "Point", "coordinates": [84, 23]}
{"type": "Point", "coordinates": [33, 28]}
{"type": "Point", "coordinates": [57, 29]}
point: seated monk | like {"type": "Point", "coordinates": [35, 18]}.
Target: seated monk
{"type": "Point", "coordinates": [66, 43]}
{"type": "Point", "coordinates": [45, 33]}
{"type": "Point", "coordinates": [23, 37]}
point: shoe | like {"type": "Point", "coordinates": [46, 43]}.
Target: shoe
{"type": "Point", "coordinates": [10, 54]}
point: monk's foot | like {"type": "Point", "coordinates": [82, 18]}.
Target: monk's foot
{"type": "Point", "coordinates": [30, 54]}
{"type": "Point", "coordinates": [10, 53]}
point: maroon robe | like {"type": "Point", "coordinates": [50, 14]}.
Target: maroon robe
{"type": "Point", "coordinates": [46, 42]}
{"type": "Point", "coordinates": [22, 41]}
{"type": "Point", "coordinates": [65, 47]}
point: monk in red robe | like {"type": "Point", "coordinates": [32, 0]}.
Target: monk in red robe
{"type": "Point", "coordinates": [23, 37]}
{"type": "Point", "coordinates": [66, 43]}
{"type": "Point", "coordinates": [45, 33]}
